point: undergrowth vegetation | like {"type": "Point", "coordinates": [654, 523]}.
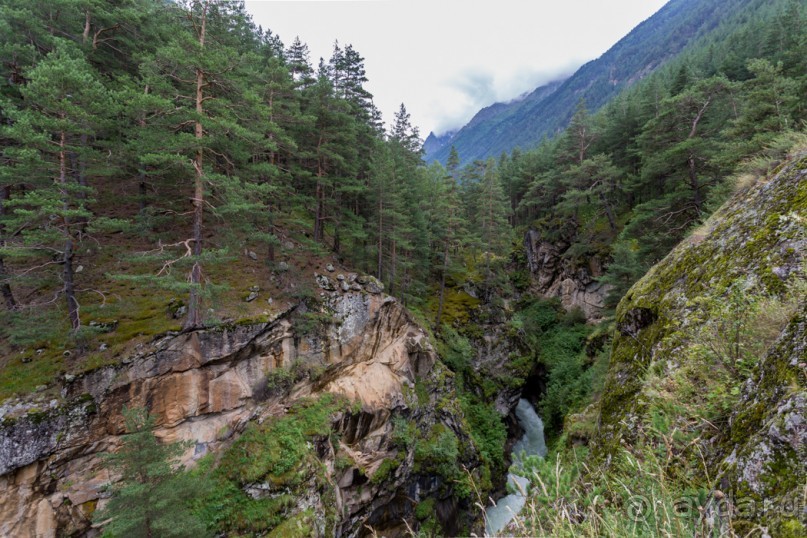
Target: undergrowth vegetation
{"type": "Point", "coordinates": [705, 359]}
{"type": "Point", "coordinates": [276, 457]}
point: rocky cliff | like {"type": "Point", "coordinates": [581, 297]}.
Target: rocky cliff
{"type": "Point", "coordinates": [556, 275]}
{"type": "Point", "coordinates": [217, 387]}
{"type": "Point", "coordinates": [708, 361]}
{"type": "Point", "coordinates": [766, 468]}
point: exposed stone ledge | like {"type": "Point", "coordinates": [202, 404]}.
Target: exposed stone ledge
{"type": "Point", "coordinates": [205, 386]}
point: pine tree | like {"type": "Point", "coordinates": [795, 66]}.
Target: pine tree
{"type": "Point", "coordinates": [153, 496]}
{"type": "Point", "coordinates": [390, 216]}
{"type": "Point", "coordinates": [214, 132]}
{"type": "Point", "coordinates": [679, 147]}
{"type": "Point", "coordinates": [5, 276]}
{"type": "Point", "coordinates": [453, 162]}
{"type": "Point", "coordinates": [347, 74]}
{"type": "Point", "coordinates": [299, 62]}
{"type": "Point", "coordinates": [406, 224]}
{"type": "Point", "coordinates": [624, 270]}
{"type": "Point", "coordinates": [405, 134]}
{"type": "Point", "coordinates": [493, 226]}
{"type": "Point", "coordinates": [579, 136]}
{"type": "Point", "coordinates": [592, 183]}
{"type": "Point", "coordinates": [681, 81]}
{"type": "Point", "coordinates": [331, 152]}
{"type": "Point", "coordinates": [769, 106]}
{"type": "Point", "coordinates": [450, 229]}
{"type": "Point", "coordinates": [68, 103]}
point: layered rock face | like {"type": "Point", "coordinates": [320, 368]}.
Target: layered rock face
{"type": "Point", "coordinates": [556, 276]}
{"type": "Point", "coordinates": [204, 386]}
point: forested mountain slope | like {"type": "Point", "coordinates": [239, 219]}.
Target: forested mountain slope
{"type": "Point", "coordinates": [488, 131]}
{"type": "Point", "coordinates": [548, 109]}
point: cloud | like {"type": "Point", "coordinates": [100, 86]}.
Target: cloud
{"type": "Point", "coordinates": [460, 98]}
{"type": "Point", "coordinates": [447, 59]}
{"type": "Point", "coordinates": [477, 85]}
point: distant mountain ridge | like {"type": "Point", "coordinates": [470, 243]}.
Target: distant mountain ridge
{"type": "Point", "coordinates": [547, 110]}
{"type": "Point", "coordinates": [477, 133]}
{"type": "Point", "coordinates": [433, 143]}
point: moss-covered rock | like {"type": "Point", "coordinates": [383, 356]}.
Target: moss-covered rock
{"type": "Point", "coordinates": [688, 375]}
{"type": "Point", "coordinates": [765, 471]}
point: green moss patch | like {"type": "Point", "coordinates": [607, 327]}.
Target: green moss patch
{"type": "Point", "coordinates": [278, 458]}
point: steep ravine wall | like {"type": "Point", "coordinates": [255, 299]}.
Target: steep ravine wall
{"type": "Point", "coordinates": [206, 385]}
{"type": "Point", "coordinates": [555, 275]}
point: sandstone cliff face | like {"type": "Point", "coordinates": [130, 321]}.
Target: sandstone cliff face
{"type": "Point", "coordinates": [207, 385]}
{"type": "Point", "coordinates": [556, 276]}
{"type": "Point", "coordinates": [696, 352]}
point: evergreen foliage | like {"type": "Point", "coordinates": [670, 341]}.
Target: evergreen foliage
{"type": "Point", "coordinates": [154, 495]}
{"type": "Point", "coordinates": [212, 133]}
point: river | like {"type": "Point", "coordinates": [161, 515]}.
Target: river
{"type": "Point", "coordinates": [532, 443]}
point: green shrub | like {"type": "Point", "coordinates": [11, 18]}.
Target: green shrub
{"type": "Point", "coordinates": [487, 429]}
{"type": "Point", "coordinates": [279, 379]}
{"type": "Point", "coordinates": [404, 433]}
{"type": "Point", "coordinates": [278, 453]}
{"type": "Point", "coordinates": [455, 350]}
{"type": "Point", "coordinates": [387, 468]}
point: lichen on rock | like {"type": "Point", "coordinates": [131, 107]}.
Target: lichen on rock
{"type": "Point", "coordinates": [694, 370]}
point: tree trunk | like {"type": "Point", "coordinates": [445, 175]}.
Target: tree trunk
{"type": "Point", "coordinates": [608, 212]}
{"type": "Point", "coordinates": [5, 287]}
{"type": "Point", "coordinates": [87, 21]}
{"type": "Point", "coordinates": [67, 256]}
{"type": "Point", "coordinates": [142, 191]}
{"type": "Point", "coordinates": [695, 184]}
{"type": "Point", "coordinates": [69, 286]}
{"type": "Point", "coordinates": [487, 275]}
{"type": "Point", "coordinates": [380, 235]}
{"type": "Point", "coordinates": [393, 261]}
{"type": "Point", "coordinates": [194, 318]}
{"type": "Point", "coordinates": [489, 234]}
{"type": "Point", "coordinates": [318, 216]}
{"type": "Point", "coordinates": [442, 289]}
{"type": "Point", "coordinates": [141, 173]}
{"type": "Point", "coordinates": [78, 167]}
{"type": "Point", "coordinates": [693, 176]}
{"type": "Point", "coordinates": [82, 166]}
{"type": "Point", "coordinates": [318, 211]}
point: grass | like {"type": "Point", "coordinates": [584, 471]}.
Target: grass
{"type": "Point", "coordinates": [634, 498]}
{"type": "Point", "coordinates": [18, 377]}
{"type": "Point", "coordinates": [300, 525]}
{"type": "Point", "coordinates": [137, 318]}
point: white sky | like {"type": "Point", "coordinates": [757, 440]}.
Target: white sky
{"type": "Point", "coordinates": [446, 59]}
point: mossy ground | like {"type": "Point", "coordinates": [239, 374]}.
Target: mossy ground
{"type": "Point", "coordinates": [118, 315]}
{"type": "Point", "coordinates": [689, 293]}
{"type": "Point", "coordinates": [277, 455]}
